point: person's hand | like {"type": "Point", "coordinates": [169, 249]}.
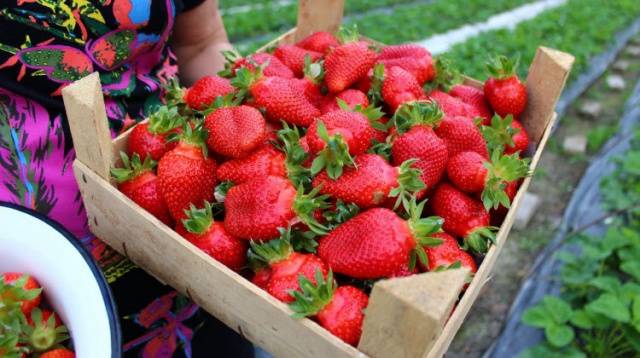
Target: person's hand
{"type": "Point", "coordinates": [198, 39]}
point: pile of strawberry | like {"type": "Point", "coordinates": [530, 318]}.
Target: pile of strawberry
{"type": "Point", "coordinates": [312, 165]}
{"type": "Point", "coordinates": [28, 325]}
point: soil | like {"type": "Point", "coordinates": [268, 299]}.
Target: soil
{"type": "Point", "coordinates": [555, 179]}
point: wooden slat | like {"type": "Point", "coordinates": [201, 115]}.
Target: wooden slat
{"type": "Point", "coordinates": [406, 315]}
{"type": "Point", "coordinates": [547, 76]}
{"type": "Point", "coordinates": [318, 15]}
{"type": "Point", "coordinates": [84, 104]}
{"type": "Point", "coordinates": [241, 305]}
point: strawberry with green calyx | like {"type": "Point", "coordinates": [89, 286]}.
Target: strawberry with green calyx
{"type": "Point", "coordinates": [200, 229]}
{"type": "Point", "coordinates": [505, 134]}
{"type": "Point", "coordinates": [204, 91]}
{"type": "Point", "coordinates": [18, 290]}
{"type": "Point", "coordinates": [174, 95]}
{"type": "Point", "coordinates": [339, 309]}
{"type": "Point", "coordinates": [152, 138]}
{"type": "Point", "coordinates": [349, 62]}
{"type": "Point", "coordinates": [234, 130]}
{"type": "Point", "coordinates": [296, 156]}
{"type": "Point", "coordinates": [138, 181]}
{"type": "Point", "coordinates": [472, 173]}
{"type": "Point", "coordinates": [186, 174]}
{"type": "Point", "coordinates": [411, 58]}
{"type": "Point", "coordinates": [474, 97]}
{"type": "Point", "coordinates": [504, 90]}
{"type": "Point", "coordinates": [271, 65]}
{"type": "Point", "coordinates": [372, 84]}
{"type": "Point", "coordinates": [447, 255]}
{"type": "Point", "coordinates": [461, 135]}
{"type": "Point", "coordinates": [399, 87]}
{"type": "Point", "coordinates": [447, 76]}
{"type": "Point", "coordinates": [310, 84]}
{"type": "Point", "coordinates": [294, 57]}
{"type": "Point", "coordinates": [376, 242]}
{"type": "Point", "coordinates": [280, 97]}
{"type": "Point", "coordinates": [58, 353]}
{"type": "Point", "coordinates": [265, 161]}
{"type": "Point", "coordinates": [278, 266]}
{"type": "Point", "coordinates": [463, 217]}
{"type": "Point", "coordinates": [416, 140]}
{"type": "Point", "coordinates": [319, 42]}
{"type": "Point", "coordinates": [371, 182]}
{"type": "Point", "coordinates": [339, 213]}
{"type": "Point", "coordinates": [351, 97]}
{"type": "Point", "coordinates": [451, 106]}
{"type": "Point", "coordinates": [44, 334]}
{"type": "Point", "coordinates": [257, 208]}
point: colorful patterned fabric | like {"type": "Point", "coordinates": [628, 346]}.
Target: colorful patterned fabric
{"type": "Point", "coordinates": [45, 45]}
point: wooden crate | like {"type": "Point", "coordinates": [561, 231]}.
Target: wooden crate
{"type": "Point", "coordinates": [406, 317]}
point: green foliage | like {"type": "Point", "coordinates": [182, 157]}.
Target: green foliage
{"type": "Point", "coordinates": [597, 136]}
{"type": "Point", "coordinates": [598, 312]}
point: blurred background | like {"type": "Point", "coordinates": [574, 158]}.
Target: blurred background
{"type": "Point", "coordinates": [585, 194]}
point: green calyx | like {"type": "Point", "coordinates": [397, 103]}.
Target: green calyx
{"type": "Point", "coordinates": [174, 93]}
{"type": "Point", "coordinates": [132, 168]}
{"type": "Point", "coordinates": [295, 155]}
{"type": "Point", "coordinates": [375, 90]}
{"type": "Point", "coordinates": [221, 190]}
{"type": "Point", "coordinates": [501, 170]}
{"type": "Point", "coordinates": [231, 57]}
{"type": "Point", "coordinates": [480, 239]}
{"type": "Point", "coordinates": [372, 113]}
{"type": "Point", "coordinates": [11, 297]}
{"type": "Point", "coordinates": [305, 206]}
{"type": "Point", "coordinates": [43, 336]}
{"type": "Point", "coordinates": [417, 113]}
{"type": "Point", "coordinates": [313, 71]}
{"type": "Point", "coordinates": [382, 149]}
{"type": "Point", "coordinates": [409, 182]}
{"type": "Point", "coordinates": [198, 221]}
{"type": "Point", "coordinates": [304, 241]}
{"type": "Point", "coordinates": [447, 76]}
{"type": "Point", "coordinates": [342, 212]}
{"type": "Point", "coordinates": [228, 100]}
{"type": "Point", "coordinates": [502, 67]}
{"type": "Point", "coordinates": [196, 136]}
{"type": "Point", "coordinates": [455, 265]}
{"type": "Point", "coordinates": [334, 156]}
{"type": "Point", "coordinates": [500, 133]}
{"type": "Point", "coordinates": [264, 254]}
{"type": "Point", "coordinates": [311, 298]}
{"type": "Point", "coordinates": [348, 34]}
{"type": "Point", "coordinates": [164, 120]}
{"type": "Point", "coordinates": [245, 78]}
{"type": "Point", "coordinates": [422, 230]}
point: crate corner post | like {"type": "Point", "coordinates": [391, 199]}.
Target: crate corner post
{"type": "Point", "coordinates": [86, 113]}
{"type": "Point", "coordinates": [318, 15]}
{"type": "Point", "coordinates": [406, 315]}
{"type": "Point", "coordinates": [548, 74]}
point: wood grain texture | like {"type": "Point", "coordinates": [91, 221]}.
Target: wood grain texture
{"type": "Point", "coordinates": [228, 296]}
{"type": "Point", "coordinates": [318, 15]}
{"type": "Point", "coordinates": [406, 315]}
{"type": "Point", "coordinates": [546, 79]}
{"type": "Point", "coordinates": [84, 104]}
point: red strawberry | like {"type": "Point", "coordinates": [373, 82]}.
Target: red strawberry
{"type": "Point", "coordinates": [279, 267]}
{"type": "Point", "coordinates": [461, 135]}
{"type": "Point", "coordinates": [20, 289]}
{"type": "Point", "coordinates": [187, 176]}
{"type": "Point", "coordinates": [205, 91]}
{"type": "Point", "coordinates": [505, 133]}
{"type": "Point", "coordinates": [311, 91]}
{"type": "Point", "coordinates": [451, 106]}
{"type": "Point", "coordinates": [448, 254]}
{"type": "Point", "coordinates": [209, 236]}
{"type": "Point", "coordinates": [263, 162]}
{"type": "Point", "coordinates": [280, 97]}
{"type": "Point", "coordinates": [256, 208]}
{"type": "Point", "coordinates": [474, 97]}
{"type": "Point", "coordinates": [399, 87]}
{"type": "Point", "coordinates": [338, 135]}
{"type": "Point", "coordinates": [352, 97]}
{"type": "Point", "coordinates": [44, 330]}
{"type": "Point", "coordinates": [294, 57]}
{"type": "Point", "coordinates": [58, 353]}
{"type": "Point", "coordinates": [319, 41]}
{"type": "Point", "coordinates": [274, 67]}
{"type": "Point", "coordinates": [472, 173]}
{"type": "Point", "coordinates": [346, 64]}
{"type": "Point", "coordinates": [504, 91]}
{"type": "Point", "coordinates": [150, 138]}
{"type": "Point", "coordinates": [376, 242]}
{"type": "Point", "coordinates": [139, 183]}
{"type": "Point", "coordinates": [497, 215]}
{"type": "Point", "coordinates": [340, 310]}
{"type": "Point", "coordinates": [416, 140]}
{"type": "Point", "coordinates": [404, 271]}
{"type": "Point", "coordinates": [464, 217]}
{"type": "Point", "coordinates": [235, 131]}
{"type": "Point", "coordinates": [411, 58]}
{"type": "Point", "coordinates": [371, 182]}
{"type": "Point", "coordinates": [380, 134]}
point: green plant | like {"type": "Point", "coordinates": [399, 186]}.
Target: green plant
{"type": "Point", "coordinates": [598, 311]}
{"type": "Point", "coordinates": [597, 136]}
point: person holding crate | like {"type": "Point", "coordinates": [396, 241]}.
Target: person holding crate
{"type": "Point", "coordinates": [137, 46]}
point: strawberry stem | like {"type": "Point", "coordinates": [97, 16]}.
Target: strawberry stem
{"type": "Point", "coordinates": [416, 113]}
{"type": "Point", "coordinates": [501, 170]}
{"type": "Point", "coordinates": [447, 76]}
{"type": "Point", "coordinates": [480, 239]}
{"type": "Point", "coordinates": [500, 133]}
{"type": "Point", "coordinates": [334, 156]}
{"type": "Point", "coordinates": [164, 120]}
{"type": "Point", "coordinates": [311, 298]}
{"type": "Point", "coordinates": [305, 206]}
{"type": "Point", "coordinates": [132, 168]}
{"type": "Point", "coordinates": [421, 229]}
{"type": "Point", "coordinates": [348, 34]}
{"type": "Point", "coordinates": [261, 255]}
{"type": "Point", "coordinates": [295, 155]}
{"type": "Point", "coordinates": [409, 182]}
{"type": "Point", "coordinates": [502, 67]}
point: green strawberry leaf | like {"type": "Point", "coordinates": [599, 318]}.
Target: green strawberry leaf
{"type": "Point", "coordinates": [610, 306]}
{"type": "Point", "coordinates": [559, 335]}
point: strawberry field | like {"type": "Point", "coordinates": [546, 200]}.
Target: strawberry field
{"type": "Point", "coordinates": [588, 29]}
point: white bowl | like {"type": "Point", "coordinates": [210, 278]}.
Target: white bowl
{"type": "Point", "coordinates": [72, 281]}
